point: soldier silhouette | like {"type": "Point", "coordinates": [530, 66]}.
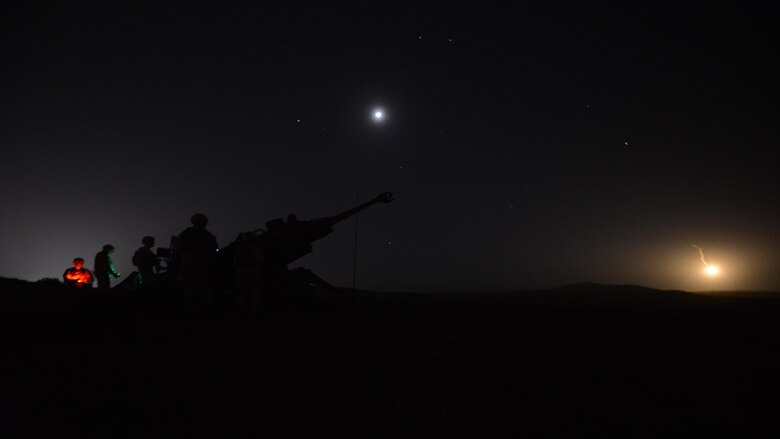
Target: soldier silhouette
{"type": "Point", "coordinates": [104, 267]}
{"type": "Point", "coordinates": [196, 256]}
{"type": "Point", "coordinates": [148, 264]}
{"type": "Point", "coordinates": [78, 276]}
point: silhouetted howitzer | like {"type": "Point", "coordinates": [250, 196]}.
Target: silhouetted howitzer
{"type": "Point", "coordinates": [261, 257]}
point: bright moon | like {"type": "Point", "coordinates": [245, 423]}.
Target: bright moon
{"type": "Point", "coordinates": [379, 115]}
{"type": "Point", "coordinates": [712, 270]}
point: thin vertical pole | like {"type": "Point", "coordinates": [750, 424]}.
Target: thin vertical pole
{"type": "Point", "coordinates": [354, 255]}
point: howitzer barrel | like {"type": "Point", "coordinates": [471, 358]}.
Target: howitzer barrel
{"type": "Point", "coordinates": [266, 253]}
{"type": "Point", "coordinates": [385, 197]}
{"type": "Point", "coordinates": [286, 241]}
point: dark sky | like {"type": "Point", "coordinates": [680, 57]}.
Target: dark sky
{"type": "Point", "coordinates": [527, 147]}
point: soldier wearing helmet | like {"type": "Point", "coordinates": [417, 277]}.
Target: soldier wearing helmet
{"type": "Point", "coordinates": [104, 267]}
{"type": "Point", "coordinates": [77, 275]}
{"type": "Point", "coordinates": [195, 256]}
{"type": "Point", "coordinates": [148, 264]}
{"type": "Point", "coordinates": [196, 239]}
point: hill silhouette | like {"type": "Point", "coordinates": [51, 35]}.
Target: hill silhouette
{"type": "Point", "coordinates": [574, 360]}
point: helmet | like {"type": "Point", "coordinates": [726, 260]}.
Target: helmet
{"type": "Point", "coordinates": [148, 240]}
{"type": "Point", "coordinates": [199, 219]}
{"type": "Point", "coordinates": [108, 247]}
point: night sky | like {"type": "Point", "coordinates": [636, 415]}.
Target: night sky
{"type": "Point", "coordinates": [529, 147]}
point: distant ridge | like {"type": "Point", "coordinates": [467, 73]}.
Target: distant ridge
{"type": "Point", "coordinates": [592, 286]}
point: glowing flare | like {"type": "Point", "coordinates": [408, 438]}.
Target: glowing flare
{"type": "Point", "coordinates": [709, 270]}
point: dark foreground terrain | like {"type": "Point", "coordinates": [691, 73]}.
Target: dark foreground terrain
{"type": "Point", "coordinates": [586, 359]}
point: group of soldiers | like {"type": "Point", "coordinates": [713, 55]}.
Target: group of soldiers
{"type": "Point", "coordinates": [78, 276]}
{"type": "Point", "coordinates": [193, 254]}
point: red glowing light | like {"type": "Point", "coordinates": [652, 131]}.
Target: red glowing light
{"type": "Point", "coordinates": [78, 277]}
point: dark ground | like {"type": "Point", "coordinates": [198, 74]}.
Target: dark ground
{"type": "Point", "coordinates": [588, 359]}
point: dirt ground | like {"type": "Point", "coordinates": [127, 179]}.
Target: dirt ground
{"type": "Point", "coordinates": [587, 359]}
